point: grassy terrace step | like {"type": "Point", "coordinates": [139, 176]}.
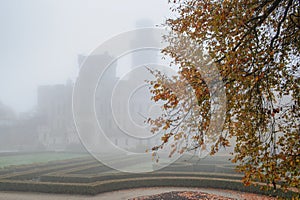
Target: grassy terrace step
{"type": "Point", "coordinates": [22, 168]}
{"type": "Point", "coordinates": [178, 166]}
{"type": "Point", "coordinates": [88, 169]}
{"type": "Point", "coordinates": [27, 158]}
{"type": "Point", "coordinates": [111, 185]}
{"type": "Point", "coordinates": [34, 172]}
{"type": "Point", "coordinates": [79, 169]}
{"type": "Point", "coordinates": [201, 168]}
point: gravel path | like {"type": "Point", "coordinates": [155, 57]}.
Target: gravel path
{"type": "Point", "coordinates": [128, 194]}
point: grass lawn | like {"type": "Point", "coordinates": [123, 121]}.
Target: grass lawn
{"type": "Point", "coordinates": [22, 159]}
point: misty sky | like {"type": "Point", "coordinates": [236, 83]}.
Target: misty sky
{"type": "Point", "coordinates": [41, 39]}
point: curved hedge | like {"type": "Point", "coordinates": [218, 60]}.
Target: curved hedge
{"type": "Point", "coordinates": [129, 183]}
{"type": "Point", "coordinates": [78, 176]}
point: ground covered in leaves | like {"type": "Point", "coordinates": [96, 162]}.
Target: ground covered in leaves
{"type": "Point", "coordinates": [187, 195]}
{"type": "Point", "coordinates": [193, 195]}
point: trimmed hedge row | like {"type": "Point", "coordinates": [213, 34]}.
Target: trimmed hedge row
{"type": "Point", "coordinates": [29, 186]}
{"type": "Point", "coordinates": [107, 186]}
{"type": "Point", "coordinates": [65, 178]}
{"type": "Point", "coordinates": [187, 182]}
{"type": "Point", "coordinates": [74, 177]}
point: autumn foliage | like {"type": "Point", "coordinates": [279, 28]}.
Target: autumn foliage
{"type": "Point", "coordinates": [254, 44]}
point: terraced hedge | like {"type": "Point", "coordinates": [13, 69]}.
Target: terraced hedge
{"type": "Point", "coordinates": [78, 176]}
{"type": "Point", "coordinates": [117, 184]}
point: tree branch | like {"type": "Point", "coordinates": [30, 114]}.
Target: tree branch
{"type": "Point", "coordinates": [280, 23]}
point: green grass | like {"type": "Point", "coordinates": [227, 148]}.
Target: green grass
{"type": "Point", "coordinates": [23, 159]}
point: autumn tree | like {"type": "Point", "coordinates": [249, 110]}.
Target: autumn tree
{"type": "Point", "coordinates": [254, 46]}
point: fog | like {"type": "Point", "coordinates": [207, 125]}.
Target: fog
{"type": "Point", "coordinates": [41, 40]}
{"type": "Point", "coordinates": [41, 46]}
